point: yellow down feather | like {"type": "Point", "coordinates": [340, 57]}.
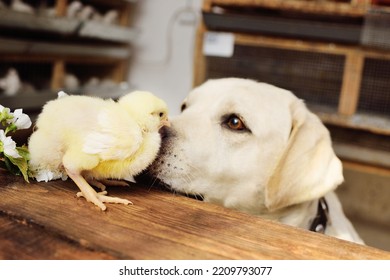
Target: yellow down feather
{"type": "Point", "coordinates": [91, 139]}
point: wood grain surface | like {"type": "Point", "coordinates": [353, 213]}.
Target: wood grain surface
{"type": "Point", "coordinates": [48, 221]}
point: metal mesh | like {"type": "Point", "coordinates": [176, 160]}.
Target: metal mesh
{"type": "Point", "coordinates": [34, 74]}
{"type": "Point", "coordinates": [375, 87]}
{"type": "Point", "coordinates": [376, 28]}
{"type": "Point", "coordinates": [86, 71]}
{"type": "Point", "coordinates": [314, 77]}
{"type": "Point", "coordinates": [359, 138]}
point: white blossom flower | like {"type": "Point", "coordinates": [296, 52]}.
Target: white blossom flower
{"type": "Point", "coordinates": [4, 113]}
{"type": "Point", "coordinates": [44, 176]}
{"type": "Point", "coordinates": [62, 94]}
{"type": "Point", "coordinates": [21, 120]}
{"type": "Point", "coordinates": [48, 175]}
{"type": "Point", "coordinates": [8, 145]}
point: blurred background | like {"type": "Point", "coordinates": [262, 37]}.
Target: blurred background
{"type": "Point", "coordinates": [334, 54]}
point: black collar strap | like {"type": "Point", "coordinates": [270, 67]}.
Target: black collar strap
{"type": "Point", "coordinates": [322, 218]}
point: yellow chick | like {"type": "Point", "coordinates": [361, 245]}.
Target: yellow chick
{"type": "Point", "coordinates": [92, 140]}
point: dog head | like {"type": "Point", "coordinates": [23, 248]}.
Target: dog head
{"type": "Point", "coordinates": [249, 146]}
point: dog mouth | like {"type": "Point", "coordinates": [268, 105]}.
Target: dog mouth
{"type": "Point", "coordinates": [167, 166]}
{"type": "Point", "coordinates": [149, 180]}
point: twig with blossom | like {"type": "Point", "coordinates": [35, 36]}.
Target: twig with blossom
{"type": "Point", "coordinates": [13, 158]}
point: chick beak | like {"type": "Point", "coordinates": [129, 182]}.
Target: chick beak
{"type": "Point", "coordinates": [165, 122]}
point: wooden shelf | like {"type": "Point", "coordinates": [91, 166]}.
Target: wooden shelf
{"type": "Point", "coordinates": [96, 30]}
{"type": "Point", "coordinates": [33, 101]}
{"type": "Point", "coordinates": [354, 58]}
{"type": "Point", "coordinates": [250, 23]}
{"type": "Point", "coordinates": [46, 49]}
{"type": "Point", "coordinates": [9, 47]}
{"type": "Point", "coordinates": [344, 80]}
{"type": "Point", "coordinates": [59, 25]}
{"type": "Point", "coordinates": [347, 8]}
{"type": "Point", "coordinates": [65, 26]}
{"type": "Point", "coordinates": [29, 101]}
{"type": "Point", "coordinates": [373, 123]}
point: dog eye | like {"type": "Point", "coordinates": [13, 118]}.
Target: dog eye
{"type": "Point", "coordinates": [234, 122]}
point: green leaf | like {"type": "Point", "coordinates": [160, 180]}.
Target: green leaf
{"type": "Point", "coordinates": [18, 166]}
{"type": "Point", "coordinates": [10, 166]}
{"type": "Point", "coordinates": [10, 128]}
{"type": "Point", "coordinates": [5, 116]}
{"type": "Point", "coordinates": [23, 152]}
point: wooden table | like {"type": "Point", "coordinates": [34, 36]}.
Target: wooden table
{"type": "Point", "coordinates": [48, 221]}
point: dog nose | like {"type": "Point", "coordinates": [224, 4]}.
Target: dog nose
{"type": "Point", "coordinates": [165, 132]}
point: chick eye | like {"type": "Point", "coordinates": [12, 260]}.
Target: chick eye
{"type": "Point", "coordinates": [161, 114]}
{"type": "Point", "coordinates": [234, 122]}
{"type": "Point", "coordinates": [183, 107]}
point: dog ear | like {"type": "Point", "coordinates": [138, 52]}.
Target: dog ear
{"type": "Point", "coordinates": [308, 167]}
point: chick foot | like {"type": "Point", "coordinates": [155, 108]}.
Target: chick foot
{"type": "Point", "coordinates": [114, 183]}
{"type": "Point", "coordinates": [96, 184]}
{"type": "Point", "coordinates": [103, 183]}
{"type": "Point", "coordinates": [103, 198]}
{"type": "Point", "coordinates": [90, 194]}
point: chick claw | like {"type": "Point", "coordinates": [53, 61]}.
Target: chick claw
{"type": "Point", "coordinates": [102, 183]}
{"type": "Point", "coordinates": [99, 198]}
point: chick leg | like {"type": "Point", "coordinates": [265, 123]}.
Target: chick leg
{"type": "Point", "coordinates": [91, 195]}
{"type": "Point", "coordinates": [117, 183]}
{"type": "Point", "coordinates": [97, 184]}
{"type": "Point", "coordinates": [103, 183]}
{"type": "Point", "coordinates": [74, 162]}
{"type": "Point", "coordinates": [87, 191]}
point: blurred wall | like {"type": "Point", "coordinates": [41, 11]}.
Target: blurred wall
{"type": "Point", "coordinates": [163, 53]}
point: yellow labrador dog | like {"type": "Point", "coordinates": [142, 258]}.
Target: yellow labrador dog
{"type": "Point", "coordinates": [256, 148]}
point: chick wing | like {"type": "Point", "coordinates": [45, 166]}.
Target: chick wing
{"type": "Point", "coordinates": [116, 135]}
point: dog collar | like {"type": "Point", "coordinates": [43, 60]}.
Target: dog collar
{"type": "Point", "coordinates": [322, 218]}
